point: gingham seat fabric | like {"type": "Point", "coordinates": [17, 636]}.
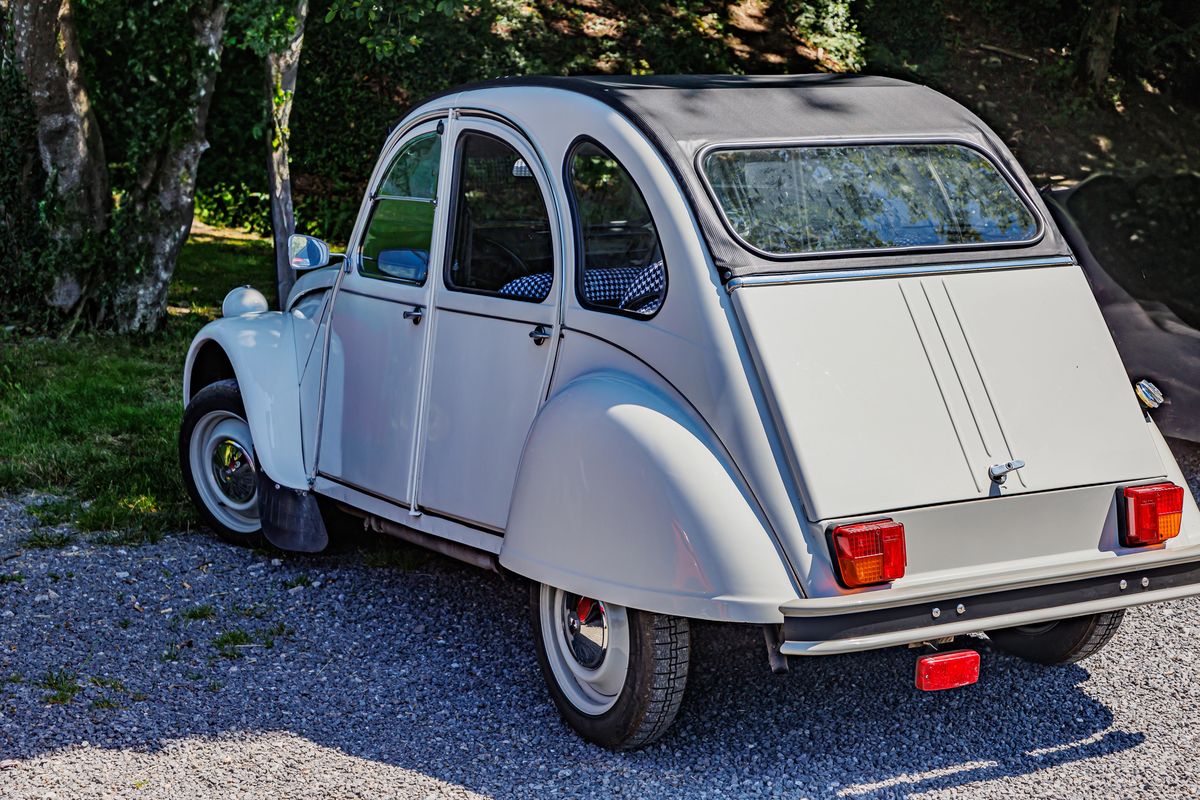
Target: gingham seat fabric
{"type": "Point", "coordinates": [529, 287]}
{"type": "Point", "coordinates": [614, 285]}
{"type": "Point", "coordinates": [645, 293]}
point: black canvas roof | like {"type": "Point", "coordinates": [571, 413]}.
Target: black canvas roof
{"type": "Point", "coordinates": [683, 114]}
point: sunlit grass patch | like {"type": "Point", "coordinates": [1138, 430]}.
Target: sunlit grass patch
{"type": "Point", "coordinates": [94, 419]}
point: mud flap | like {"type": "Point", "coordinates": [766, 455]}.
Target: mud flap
{"type": "Point", "coordinates": [291, 519]}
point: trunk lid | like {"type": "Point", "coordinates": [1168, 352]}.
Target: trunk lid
{"type": "Point", "coordinates": [899, 392]}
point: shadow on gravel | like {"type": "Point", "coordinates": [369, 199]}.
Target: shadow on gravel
{"type": "Point", "coordinates": [410, 660]}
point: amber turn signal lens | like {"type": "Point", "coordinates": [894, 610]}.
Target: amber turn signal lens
{"type": "Point", "coordinates": [1153, 514]}
{"type": "Point", "coordinates": [869, 552]}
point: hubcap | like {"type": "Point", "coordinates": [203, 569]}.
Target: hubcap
{"type": "Point", "coordinates": [587, 647]}
{"type": "Point", "coordinates": [221, 453]}
{"type": "Point", "coordinates": [587, 630]}
{"type": "Point", "coordinates": [233, 470]}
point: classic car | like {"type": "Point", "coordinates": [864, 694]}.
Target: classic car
{"type": "Point", "coordinates": [804, 353]}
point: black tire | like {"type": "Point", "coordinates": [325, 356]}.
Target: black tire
{"type": "Point", "coordinates": [659, 652]}
{"type": "Point", "coordinates": [220, 396]}
{"type": "Point", "coordinates": [1064, 641]}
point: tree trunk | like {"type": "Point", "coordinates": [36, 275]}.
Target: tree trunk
{"type": "Point", "coordinates": [165, 201]}
{"type": "Point", "coordinates": [282, 68]}
{"type": "Point", "coordinates": [46, 46]}
{"type": "Point", "coordinates": [1098, 42]}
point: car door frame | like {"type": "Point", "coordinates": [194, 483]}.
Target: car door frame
{"type": "Point", "coordinates": [412, 517]}
{"type": "Point", "coordinates": [385, 290]}
{"type": "Point", "coordinates": [482, 304]}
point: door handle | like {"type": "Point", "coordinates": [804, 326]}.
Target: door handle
{"type": "Point", "coordinates": [539, 335]}
{"type": "Point", "coordinates": [416, 315]}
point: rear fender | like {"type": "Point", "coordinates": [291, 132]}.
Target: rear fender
{"type": "Point", "coordinates": [625, 496]}
{"type": "Point", "coordinates": [260, 350]}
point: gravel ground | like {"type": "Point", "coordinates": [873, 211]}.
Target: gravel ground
{"type": "Point", "coordinates": [188, 669]}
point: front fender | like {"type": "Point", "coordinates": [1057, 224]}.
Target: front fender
{"type": "Point", "coordinates": [625, 495]}
{"type": "Point", "coordinates": [261, 351]}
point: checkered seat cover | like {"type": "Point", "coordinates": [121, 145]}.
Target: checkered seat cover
{"type": "Point", "coordinates": [645, 293]}
{"type": "Point", "coordinates": [529, 287]}
{"type": "Point", "coordinates": [637, 289]}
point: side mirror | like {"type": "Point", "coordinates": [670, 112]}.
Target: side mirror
{"type": "Point", "coordinates": [307, 252]}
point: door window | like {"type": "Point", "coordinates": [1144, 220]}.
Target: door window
{"type": "Point", "coordinates": [621, 268]}
{"type": "Point", "coordinates": [398, 238]}
{"type": "Point", "coordinates": [502, 242]}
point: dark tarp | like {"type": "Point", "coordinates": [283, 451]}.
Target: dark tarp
{"type": "Point", "coordinates": [683, 114]}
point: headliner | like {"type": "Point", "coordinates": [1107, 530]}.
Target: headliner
{"type": "Point", "coordinates": [682, 114]}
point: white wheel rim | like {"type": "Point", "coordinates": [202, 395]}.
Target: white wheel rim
{"type": "Point", "coordinates": [221, 455]}
{"type": "Point", "coordinates": [588, 657]}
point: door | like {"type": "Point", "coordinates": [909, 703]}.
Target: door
{"type": "Point", "coordinates": [381, 328]}
{"type": "Point", "coordinates": [495, 327]}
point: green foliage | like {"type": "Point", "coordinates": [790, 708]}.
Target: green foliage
{"type": "Point", "coordinates": [97, 416]}
{"type": "Point", "coordinates": [62, 684]}
{"type": "Point", "coordinates": [900, 36]}
{"type": "Point", "coordinates": [225, 205]}
{"type": "Point", "coordinates": [830, 26]}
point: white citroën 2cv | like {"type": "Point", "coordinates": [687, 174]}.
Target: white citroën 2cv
{"type": "Point", "coordinates": [806, 353]}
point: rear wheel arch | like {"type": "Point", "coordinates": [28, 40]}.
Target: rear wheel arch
{"type": "Point", "coordinates": [625, 495]}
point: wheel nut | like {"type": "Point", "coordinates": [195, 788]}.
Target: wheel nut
{"type": "Point", "coordinates": [1124, 584]}
{"type": "Point", "coordinates": [1145, 582]}
{"type": "Point", "coordinates": [937, 612]}
{"type": "Point", "coordinates": [961, 609]}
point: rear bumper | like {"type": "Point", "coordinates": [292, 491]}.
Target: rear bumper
{"type": "Point", "coordinates": [822, 633]}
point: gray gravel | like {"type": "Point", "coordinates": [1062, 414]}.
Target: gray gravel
{"type": "Point", "coordinates": [381, 671]}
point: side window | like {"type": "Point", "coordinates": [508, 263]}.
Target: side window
{"type": "Point", "coordinates": [502, 241]}
{"type": "Point", "coordinates": [621, 267]}
{"type": "Point", "coordinates": [398, 238]}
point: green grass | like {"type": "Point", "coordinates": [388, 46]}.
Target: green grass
{"type": "Point", "coordinates": [14, 577]}
{"type": "Point", "coordinates": [204, 611]}
{"type": "Point", "coordinates": [62, 684]}
{"type": "Point", "coordinates": [95, 418]}
{"type": "Point", "coordinates": [299, 580]}
{"type": "Point", "coordinates": [229, 642]}
{"type": "Point", "coordinates": [47, 540]}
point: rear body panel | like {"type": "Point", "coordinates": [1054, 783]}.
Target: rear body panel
{"type": "Point", "coordinates": [901, 392]}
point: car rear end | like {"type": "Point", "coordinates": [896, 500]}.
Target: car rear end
{"type": "Point", "coordinates": [969, 452]}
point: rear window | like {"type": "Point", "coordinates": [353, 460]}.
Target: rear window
{"type": "Point", "coordinates": [816, 199]}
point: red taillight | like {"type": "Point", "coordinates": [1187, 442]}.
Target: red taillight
{"type": "Point", "coordinates": [869, 552]}
{"type": "Point", "coordinates": [1152, 514]}
{"type": "Point", "coordinates": [947, 670]}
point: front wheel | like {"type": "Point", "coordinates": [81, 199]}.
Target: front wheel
{"type": "Point", "coordinates": [1063, 641]}
{"type": "Point", "coordinates": [616, 674]}
{"type": "Point", "coordinates": [216, 455]}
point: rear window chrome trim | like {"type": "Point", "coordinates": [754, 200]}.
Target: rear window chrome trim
{"type": "Point", "coordinates": [912, 271]}
{"type": "Point", "coordinates": [1012, 181]}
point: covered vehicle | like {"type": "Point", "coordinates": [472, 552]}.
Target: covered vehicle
{"type": "Point", "coordinates": [806, 353]}
{"type": "Point", "coordinates": [1134, 240]}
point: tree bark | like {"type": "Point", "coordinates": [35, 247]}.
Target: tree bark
{"type": "Point", "coordinates": [1098, 42]}
{"type": "Point", "coordinates": [46, 46]}
{"type": "Point", "coordinates": [282, 69]}
{"type": "Point", "coordinates": [165, 201]}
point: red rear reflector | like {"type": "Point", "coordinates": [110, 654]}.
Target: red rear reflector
{"type": "Point", "coordinates": [1152, 514]}
{"type": "Point", "coordinates": [947, 670]}
{"type": "Point", "coordinates": [869, 552]}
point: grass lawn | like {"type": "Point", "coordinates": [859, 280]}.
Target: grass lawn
{"type": "Point", "coordinates": [94, 419]}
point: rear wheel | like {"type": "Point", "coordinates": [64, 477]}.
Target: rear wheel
{"type": "Point", "coordinates": [617, 675]}
{"type": "Point", "coordinates": [1063, 641]}
{"type": "Point", "coordinates": [216, 455]}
